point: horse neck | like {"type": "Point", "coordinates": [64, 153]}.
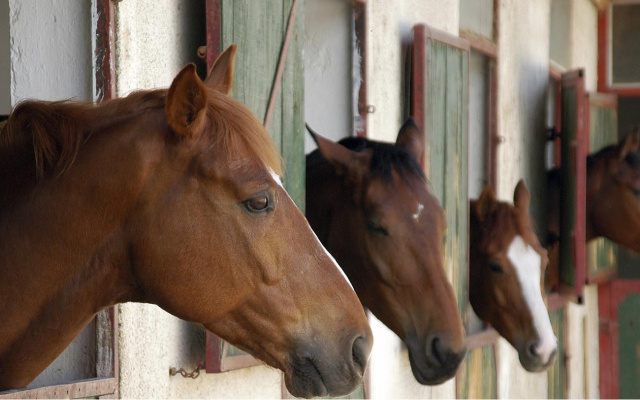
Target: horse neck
{"type": "Point", "coordinates": [63, 254]}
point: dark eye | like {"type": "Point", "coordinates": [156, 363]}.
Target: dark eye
{"type": "Point", "coordinates": [495, 267]}
{"type": "Point", "coordinates": [258, 204]}
{"type": "Point", "coordinates": [375, 228]}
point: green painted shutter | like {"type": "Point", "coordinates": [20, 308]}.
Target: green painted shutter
{"type": "Point", "coordinates": [476, 378]}
{"type": "Point", "coordinates": [557, 374]}
{"type": "Point", "coordinates": [258, 28]}
{"type": "Point", "coordinates": [603, 131]}
{"type": "Point", "coordinates": [629, 346]}
{"type": "Point", "coordinates": [440, 104]}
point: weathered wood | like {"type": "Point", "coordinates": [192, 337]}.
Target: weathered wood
{"type": "Point", "coordinates": [73, 390]}
{"type": "Point", "coordinates": [557, 374]}
{"type": "Point", "coordinates": [476, 378]}
{"type": "Point", "coordinates": [574, 178]}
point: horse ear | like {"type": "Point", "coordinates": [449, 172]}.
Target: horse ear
{"type": "Point", "coordinates": [220, 76]}
{"type": "Point", "coordinates": [343, 160]}
{"type": "Point", "coordinates": [521, 196]}
{"type": "Point", "coordinates": [486, 204]}
{"type": "Point", "coordinates": [411, 138]}
{"type": "Point", "coordinates": [629, 143]}
{"type": "Point", "coordinates": [186, 102]}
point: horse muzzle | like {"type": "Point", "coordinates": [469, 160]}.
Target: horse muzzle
{"type": "Point", "coordinates": [312, 372]}
{"type": "Point", "coordinates": [436, 362]}
{"type": "Point", "coordinates": [533, 360]}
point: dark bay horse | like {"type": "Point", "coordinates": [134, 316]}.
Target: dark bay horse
{"type": "Point", "coordinates": [170, 197]}
{"type": "Point", "coordinates": [506, 276]}
{"type": "Point", "coordinates": [370, 205]}
{"type": "Point", "coordinates": [613, 205]}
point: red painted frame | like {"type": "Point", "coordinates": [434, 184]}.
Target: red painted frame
{"type": "Point", "coordinates": [604, 57]}
{"type": "Point", "coordinates": [579, 168]}
{"type": "Point", "coordinates": [610, 295]}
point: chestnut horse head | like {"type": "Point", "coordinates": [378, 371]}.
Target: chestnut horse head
{"type": "Point", "coordinates": [506, 276]}
{"type": "Point", "coordinates": [613, 199]}
{"type": "Point", "coordinates": [171, 198]}
{"type": "Point", "coordinates": [370, 206]}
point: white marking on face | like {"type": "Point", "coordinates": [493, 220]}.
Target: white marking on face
{"type": "Point", "coordinates": [527, 264]}
{"type": "Point", "coordinates": [416, 216]}
{"type": "Point", "coordinates": [276, 178]}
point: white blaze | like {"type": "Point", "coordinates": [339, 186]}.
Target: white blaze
{"type": "Point", "coordinates": [416, 216]}
{"type": "Point", "coordinates": [527, 264]}
{"type": "Point", "coordinates": [276, 178]}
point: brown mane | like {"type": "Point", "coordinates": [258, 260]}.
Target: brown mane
{"type": "Point", "coordinates": [50, 134]}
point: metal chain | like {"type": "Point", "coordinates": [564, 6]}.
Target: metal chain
{"type": "Point", "coordinates": [193, 374]}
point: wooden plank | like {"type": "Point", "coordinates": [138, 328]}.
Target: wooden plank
{"type": "Point", "coordinates": [476, 378]}
{"type": "Point", "coordinates": [74, 390]}
{"type": "Point", "coordinates": [629, 343]}
{"type": "Point", "coordinates": [573, 193]}
{"type": "Point", "coordinates": [557, 374]}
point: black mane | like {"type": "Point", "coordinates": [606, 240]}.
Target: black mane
{"type": "Point", "coordinates": [386, 157]}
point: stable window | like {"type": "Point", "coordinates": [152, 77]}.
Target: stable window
{"type": "Point", "coordinates": [89, 365]}
{"type": "Point", "coordinates": [618, 47]}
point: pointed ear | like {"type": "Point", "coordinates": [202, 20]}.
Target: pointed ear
{"type": "Point", "coordinates": [629, 143]}
{"type": "Point", "coordinates": [521, 197]}
{"type": "Point", "coordinates": [411, 138]}
{"type": "Point", "coordinates": [220, 76]}
{"type": "Point", "coordinates": [343, 160]}
{"type": "Point", "coordinates": [486, 204]}
{"type": "Point", "coordinates": [186, 102]}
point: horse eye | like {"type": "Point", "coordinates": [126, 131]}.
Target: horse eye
{"type": "Point", "coordinates": [258, 204]}
{"type": "Point", "coordinates": [495, 268]}
{"type": "Point", "coordinates": [375, 228]}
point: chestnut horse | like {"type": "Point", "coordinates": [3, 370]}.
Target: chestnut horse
{"type": "Point", "coordinates": [370, 205]}
{"type": "Point", "coordinates": [506, 276]}
{"type": "Point", "coordinates": [613, 208]}
{"type": "Point", "coordinates": [169, 197]}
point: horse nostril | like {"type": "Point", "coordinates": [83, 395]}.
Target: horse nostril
{"type": "Point", "coordinates": [532, 349]}
{"type": "Point", "coordinates": [433, 353]}
{"type": "Point", "coordinates": [359, 353]}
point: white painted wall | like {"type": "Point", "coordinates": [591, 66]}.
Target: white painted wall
{"type": "Point", "coordinates": [388, 34]}
{"type": "Point", "coordinates": [5, 61]}
{"type": "Point", "coordinates": [50, 50]}
{"type": "Point", "coordinates": [328, 87]}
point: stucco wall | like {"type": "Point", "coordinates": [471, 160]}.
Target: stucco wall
{"type": "Point", "coordinates": [388, 34]}
{"type": "Point", "coordinates": [150, 52]}
{"type": "Point", "coordinates": [5, 65]}
{"type": "Point", "coordinates": [327, 69]}
{"type": "Point", "coordinates": [50, 50]}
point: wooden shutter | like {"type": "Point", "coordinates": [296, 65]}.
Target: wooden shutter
{"type": "Point", "coordinates": [439, 103]}
{"type": "Point", "coordinates": [574, 184]}
{"type": "Point", "coordinates": [618, 304]}
{"type": "Point", "coordinates": [557, 374]}
{"type": "Point", "coordinates": [603, 131]}
{"type": "Point", "coordinates": [259, 29]}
